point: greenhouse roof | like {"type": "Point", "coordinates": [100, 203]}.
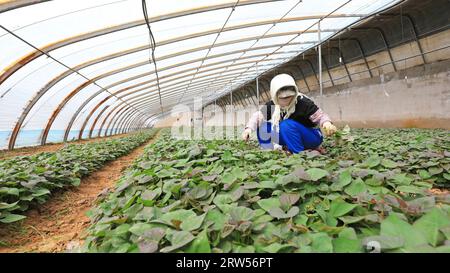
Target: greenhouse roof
{"type": "Point", "coordinates": [73, 69]}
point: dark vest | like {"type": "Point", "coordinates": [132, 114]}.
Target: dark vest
{"type": "Point", "coordinates": [303, 111]}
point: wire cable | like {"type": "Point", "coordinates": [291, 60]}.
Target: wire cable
{"type": "Point", "coordinates": [152, 53]}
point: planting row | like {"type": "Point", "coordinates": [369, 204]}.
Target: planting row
{"type": "Point", "coordinates": [30, 180]}
{"type": "Point", "coordinates": [371, 190]}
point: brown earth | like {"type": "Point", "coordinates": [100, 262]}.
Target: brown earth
{"type": "Point", "coordinates": [48, 147]}
{"type": "Point", "coordinates": [60, 223]}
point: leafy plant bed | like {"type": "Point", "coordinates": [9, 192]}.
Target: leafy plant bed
{"type": "Point", "coordinates": [29, 180]}
{"type": "Point", "coordinates": [369, 192]}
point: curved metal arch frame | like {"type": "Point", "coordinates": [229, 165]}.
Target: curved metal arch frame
{"type": "Point", "coordinates": [120, 123]}
{"type": "Point", "coordinates": [130, 126]}
{"type": "Point", "coordinates": [236, 27]}
{"type": "Point", "coordinates": [363, 53]}
{"type": "Point", "coordinates": [343, 62]}
{"type": "Point", "coordinates": [97, 106]}
{"type": "Point", "coordinates": [413, 28]}
{"type": "Point", "coordinates": [383, 38]}
{"type": "Point", "coordinates": [71, 40]}
{"type": "Point", "coordinates": [43, 91]}
{"type": "Point", "coordinates": [200, 86]}
{"type": "Point", "coordinates": [68, 128]}
{"type": "Point", "coordinates": [256, 1]}
{"type": "Point", "coordinates": [303, 76]}
{"type": "Point", "coordinates": [132, 93]}
{"type": "Point", "coordinates": [312, 68]}
{"type": "Point", "coordinates": [151, 103]}
{"type": "Point", "coordinates": [11, 5]}
{"type": "Point", "coordinates": [145, 103]}
{"type": "Point", "coordinates": [98, 117]}
{"type": "Point", "coordinates": [33, 55]}
{"type": "Point", "coordinates": [39, 94]}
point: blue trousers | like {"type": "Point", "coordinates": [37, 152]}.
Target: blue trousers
{"type": "Point", "coordinates": [292, 134]}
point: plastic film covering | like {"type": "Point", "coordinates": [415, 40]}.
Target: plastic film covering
{"type": "Point", "coordinates": [82, 69]}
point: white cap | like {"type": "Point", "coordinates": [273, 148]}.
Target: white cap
{"type": "Point", "coordinates": [280, 81]}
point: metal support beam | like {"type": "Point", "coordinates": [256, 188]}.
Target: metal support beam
{"type": "Point", "coordinates": [383, 38]}
{"type": "Point", "coordinates": [363, 54]}
{"type": "Point", "coordinates": [320, 64]}
{"type": "Point", "coordinates": [413, 28]}
{"type": "Point", "coordinates": [303, 75]}
{"type": "Point", "coordinates": [341, 56]}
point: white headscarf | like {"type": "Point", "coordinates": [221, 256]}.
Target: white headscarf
{"type": "Point", "coordinates": [278, 82]}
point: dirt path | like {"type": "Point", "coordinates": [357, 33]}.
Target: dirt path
{"type": "Point", "coordinates": [61, 222]}
{"type": "Point", "coordinates": [48, 147]}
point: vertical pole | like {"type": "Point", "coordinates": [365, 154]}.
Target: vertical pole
{"type": "Point", "coordinates": [232, 110]}
{"type": "Point", "coordinates": [215, 109]}
{"type": "Point", "coordinates": [231, 98]}
{"type": "Point", "coordinates": [257, 85]}
{"type": "Point", "coordinates": [320, 65]}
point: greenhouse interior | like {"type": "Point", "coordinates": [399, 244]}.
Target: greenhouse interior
{"type": "Point", "coordinates": [219, 126]}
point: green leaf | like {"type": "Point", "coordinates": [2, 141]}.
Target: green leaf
{"type": "Point", "coordinates": [239, 214]}
{"type": "Point", "coordinates": [387, 163]}
{"type": "Point", "coordinates": [76, 181]}
{"type": "Point", "coordinates": [424, 174]}
{"type": "Point", "coordinates": [321, 243]}
{"type": "Point", "coordinates": [430, 223]}
{"type": "Point", "coordinates": [356, 187]}
{"type": "Point", "coordinates": [10, 191]}
{"type": "Point", "coordinates": [178, 240]}
{"type": "Point", "coordinates": [345, 245]}
{"type": "Point", "coordinates": [372, 161]}
{"type": "Point", "coordinates": [6, 206]}
{"type": "Point", "coordinates": [229, 178]}
{"type": "Point", "coordinates": [41, 192]}
{"type": "Point", "coordinates": [239, 174]}
{"type": "Point", "coordinates": [280, 214]}
{"type": "Point", "coordinates": [179, 215]}
{"type": "Point", "coordinates": [395, 227]}
{"type": "Point", "coordinates": [351, 219]}
{"type": "Point", "coordinates": [289, 199]}
{"type": "Point", "coordinates": [344, 179]}
{"type": "Point", "coordinates": [200, 244]}
{"type": "Point", "coordinates": [267, 204]}
{"type": "Point", "coordinates": [402, 179]}
{"type": "Point", "coordinates": [140, 228]}
{"type": "Point", "coordinates": [228, 156]}
{"type": "Point", "coordinates": [340, 208]}
{"type": "Point", "coordinates": [348, 233]}
{"type": "Point", "coordinates": [243, 249]}
{"type": "Point", "coordinates": [316, 173]}
{"type": "Point", "coordinates": [435, 170]}
{"type": "Point", "coordinates": [10, 218]}
{"type": "Point", "coordinates": [274, 248]}
{"type": "Point", "coordinates": [410, 189]}
{"type": "Point", "coordinates": [384, 242]}
{"type": "Point", "coordinates": [192, 222]}
{"type": "Point", "coordinates": [217, 218]}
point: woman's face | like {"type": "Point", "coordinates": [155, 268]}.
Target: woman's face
{"type": "Point", "coordinates": [284, 102]}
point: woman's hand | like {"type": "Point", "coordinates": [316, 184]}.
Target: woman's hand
{"type": "Point", "coordinates": [328, 128]}
{"type": "Point", "coordinates": [246, 134]}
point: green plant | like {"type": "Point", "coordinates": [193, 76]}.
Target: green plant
{"type": "Point", "coordinates": [227, 196]}
{"type": "Point", "coordinates": [29, 180]}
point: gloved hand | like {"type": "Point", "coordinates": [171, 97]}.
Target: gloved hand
{"type": "Point", "coordinates": [246, 134]}
{"type": "Point", "coordinates": [277, 147]}
{"type": "Point", "coordinates": [328, 128]}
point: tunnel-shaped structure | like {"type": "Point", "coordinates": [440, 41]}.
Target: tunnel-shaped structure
{"type": "Point", "coordinates": [83, 69]}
